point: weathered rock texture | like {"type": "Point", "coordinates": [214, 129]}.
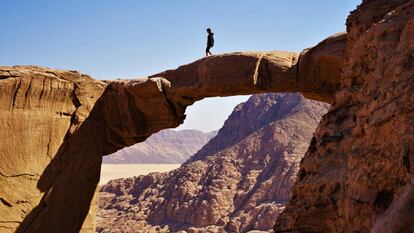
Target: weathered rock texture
{"type": "Point", "coordinates": [240, 181]}
{"type": "Point", "coordinates": [166, 146]}
{"type": "Point", "coordinates": [56, 125]}
{"type": "Point", "coordinates": [357, 175]}
{"type": "Point", "coordinates": [41, 110]}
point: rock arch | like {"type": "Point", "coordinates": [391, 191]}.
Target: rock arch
{"type": "Point", "coordinates": [57, 124]}
{"type": "Point", "coordinates": [315, 73]}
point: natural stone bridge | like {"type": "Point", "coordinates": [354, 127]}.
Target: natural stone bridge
{"type": "Point", "coordinates": [355, 177]}
{"type": "Point", "coordinates": [56, 125]}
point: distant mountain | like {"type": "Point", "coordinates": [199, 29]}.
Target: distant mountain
{"type": "Point", "coordinates": [238, 182]}
{"type": "Point", "coordinates": [166, 146]}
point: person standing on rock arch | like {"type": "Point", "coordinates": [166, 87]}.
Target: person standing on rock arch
{"type": "Point", "coordinates": [210, 42]}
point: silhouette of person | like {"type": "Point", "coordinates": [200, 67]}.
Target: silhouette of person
{"type": "Point", "coordinates": [210, 42]}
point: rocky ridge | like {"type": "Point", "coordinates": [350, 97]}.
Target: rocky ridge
{"type": "Point", "coordinates": [364, 139]}
{"type": "Point", "coordinates": [80, 119]}
{"type": "Point", "coordinates": [237, 188]}
{"type": "Point", "coordinates": [166, 146]}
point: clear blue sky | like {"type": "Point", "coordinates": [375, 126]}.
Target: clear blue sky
{"type": "Point", "coordinates": [111, 39]}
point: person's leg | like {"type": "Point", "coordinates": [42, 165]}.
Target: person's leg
{"type": "Point", "coordinates": [208, 52]}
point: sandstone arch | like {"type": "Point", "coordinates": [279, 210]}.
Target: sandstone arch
{"type": "Point", "coordinates": [315, 73]}
{"type": "Point", "coordinates": [355, 177]}
{"type": "Point", "coordinates": [48, 182]}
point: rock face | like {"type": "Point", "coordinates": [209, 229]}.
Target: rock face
{"type": "Point", "coordinates": [57, 124]}
{"type": "Point", "coordinates": [355, 177]}
{"type": "Point", "coordinates": [357, 174]}
{"type": "Point", "coordinates": [239, 181]}
{"type": "Point", "coordinates": [166, 146]}
{"type": "Point", "coordinates": [40, 111]}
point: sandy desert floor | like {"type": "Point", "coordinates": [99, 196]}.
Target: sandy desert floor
{"type": "Point", "coordinates": [115, 171]}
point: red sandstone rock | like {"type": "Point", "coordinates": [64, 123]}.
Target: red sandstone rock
{"type": "Point", "coordinates": [40, 110]}
{"type": "Point", "coordinates": [241, 185]}
{"type": "Point", "coordinates": [49, 181]}
{"type": "Point", "coordinates": [356, 175]}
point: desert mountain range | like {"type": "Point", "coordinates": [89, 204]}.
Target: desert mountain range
{"type": "Point", "coordinates": [245, 172]}
{"type": "Point", "coordinates": [166, 146]}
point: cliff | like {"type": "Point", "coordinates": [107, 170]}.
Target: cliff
{"type": "Point", "coordinates": [356, 176]}
{"type": "Point", "coordinates": [58, 124]}
{"type": "Point", "coordinates": [237, 188]}
{"type": "Point", "coordinates": [41, 110]}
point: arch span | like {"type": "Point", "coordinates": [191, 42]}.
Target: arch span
{"type": "Point", "coordinates": [315, 73]}
{"type": "Point", "coordinates": [58, 123]}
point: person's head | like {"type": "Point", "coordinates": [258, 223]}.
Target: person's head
{"type": "Point", "coordinates": [208, 30]}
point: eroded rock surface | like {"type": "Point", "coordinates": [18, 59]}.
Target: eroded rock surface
{"type": "Point", "coordinates": [239, 182]}
{"type": "Point", "coordinates": [57, 124]}
{"type": "Point", "coordinates": [357, 174]}
{"type": "Point", "coordinates": [41, 109]}
{"type": "Point", "coordinates": [221, 75]}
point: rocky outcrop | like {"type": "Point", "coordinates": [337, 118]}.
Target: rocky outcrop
{"type": "Point", "coordinates": [166, 146]}
{"type": "Point", "coordinates": [239, 187]}
{"type": "Point", "coordinates": [357, 174]}
{"type": "Point", "coordinates": [40, 112]}
{"type": "Point", "coordinates": [222, 75]}
{"type": "Point", "coordinates": [57, 124]}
